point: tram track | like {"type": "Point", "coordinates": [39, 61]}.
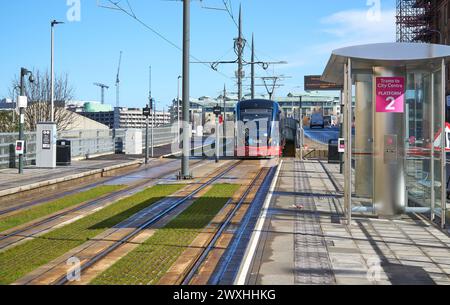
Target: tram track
{"type": "Point", "coordinates": [87, 264]}
{"type": "Point", "coordinates": [19, 233]}
{"type": "Point", "coordinates": [32, 203]}
{"type": "Point", "coordinates": [193, 271]}
{"type": "Point", "coordinates": [89, 186]}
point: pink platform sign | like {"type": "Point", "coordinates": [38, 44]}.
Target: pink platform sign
{"type": "Point", "coordinates": [390, 92]}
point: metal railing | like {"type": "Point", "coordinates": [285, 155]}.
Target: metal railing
{"type": "Point", "coordinates": [88, 143]}
{"type": "Point", "coordinates": [84, 143]}
{"type": "Point", "coordinates": [7, 149]}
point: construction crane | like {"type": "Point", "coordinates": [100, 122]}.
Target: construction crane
{"type": "Point", "coordinates": [118, 82]}
{"type": "Point", "coordinates": [102, 87]}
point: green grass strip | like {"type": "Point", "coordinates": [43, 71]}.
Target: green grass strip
{"type": "Point", "coordinates": [49, 208]}
{"type": "Point", "coordinates": [148, 263]}
{"type": "Point", "coordinates": [24, 258]}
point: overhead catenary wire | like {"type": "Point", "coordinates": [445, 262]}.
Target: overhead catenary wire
{"type": "Point", "coordinates": [116, 6]}
{"type": "Point", "coordinates": [264, 65]}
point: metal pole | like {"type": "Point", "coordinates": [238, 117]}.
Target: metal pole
{"type": "Point", "coordinates": [52, 76]}
{"type": "Point", "coordinates": [178, 111]}
{"type": "Point", "coordinates": [432, 154]}
{"type": "Point", "coordinates": [443, 149]}
{"type": "Point", "coordinates": [153, 126]}
{"type": "Point", "coordinates": [341, 134]}
{"type": "Point", "coordinates": [152, 108]}
{"type": "Point", "coordinates": [52, 71]}
{"type": "Point", "coordinates": [301, 128]}
{"type": "Point", "coordinates": [185, 172]}
{"type": "Point", "coordinates": [253, 67]}
{"type": "Point", "coordinates": [146, 140]}
{"type": "Point", "coordinates": [224, 115]}
{"type": "Point", "coordinates": [217, 139]}
{"type": "Point", "coordinates": [240, 49]}
{"type": "Point", "coordinates": [23, 72]}
{"type": "Point", "coordinates": [348, 148]}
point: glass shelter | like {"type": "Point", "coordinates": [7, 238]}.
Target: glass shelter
{"type": "Point", "coordinates": [395, 133]}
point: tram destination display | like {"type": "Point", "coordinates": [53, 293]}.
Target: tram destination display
{"type": "Point", "coordinates": [314, 83]}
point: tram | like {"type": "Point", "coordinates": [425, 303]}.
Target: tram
{"type": "Point", "coordinates": [259, 129]}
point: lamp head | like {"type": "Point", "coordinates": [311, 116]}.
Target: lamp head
{"type": "Point", "coordinates": [54, 22]}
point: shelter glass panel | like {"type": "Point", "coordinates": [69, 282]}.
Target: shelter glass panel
{"type": "Point", "coordinates": [418, 131]}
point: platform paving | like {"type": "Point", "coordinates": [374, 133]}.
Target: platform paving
{"type": "Point", "coordinates": [306, 241]}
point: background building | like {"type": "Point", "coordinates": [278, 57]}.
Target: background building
{"type": "Point", "coordinates": [119, 118]}
{"type": "Point", "coordinates": [201, 109]}
{"type": "Point", "coordinates": [7, 104]}
{"type": "Point", "coordinates": [309, 102]}
{"type": "Point", "coordinates": [425, 21]}
{"type": "Point", "coordinates": [125, 118]}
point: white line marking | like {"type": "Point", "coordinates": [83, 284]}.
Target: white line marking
{"type": "Point", "coordinates": [254, 241]}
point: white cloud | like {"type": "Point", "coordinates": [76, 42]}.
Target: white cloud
{"type": "Point", "coordinates": [346, 28]}
{"type": "Point", "coordinates": [338, 30]}
{"type": "Point", "coordinates": [354, 27]}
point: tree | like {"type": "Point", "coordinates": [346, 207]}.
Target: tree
{"type": "Point", "coordinates": [39, 107]}
{"type": "Point", "coordinates": [8, 123]}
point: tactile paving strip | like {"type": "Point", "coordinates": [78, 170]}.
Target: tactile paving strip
{"type": "Point", "coordinates": [312, 263]}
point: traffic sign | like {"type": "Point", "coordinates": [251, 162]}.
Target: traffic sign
{"type": "Point", "coordinates": [147, 111]}
{"type": "Point", "coordinates": [217, 110]}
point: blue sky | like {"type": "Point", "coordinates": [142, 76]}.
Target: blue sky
{"type": "Point", "coordinates": [301, 32]}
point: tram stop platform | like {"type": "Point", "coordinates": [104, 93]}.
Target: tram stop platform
{"type": "Point", "coordinates": [306, 241]}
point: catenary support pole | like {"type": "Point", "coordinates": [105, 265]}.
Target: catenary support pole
{"type": "Point", "coordinates": [253, 68]}
{"type": "Point", "coordinates": [240, 48]}
{"type": "Point", "coordinates": [185, 171]}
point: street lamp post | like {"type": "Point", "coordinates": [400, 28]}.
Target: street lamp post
{"type": "Point", "coordinates": [302, 139]}
{"type": "Point", "coordinates": [147, 112]}
{"type": "Point", "coordinates": [224, 133]}
{"type": "Point", "coordinates": [52, 71]}
{"type": "Point", "coordinates": [217, 111]}
{"type": "Point", "coordinates": [22, 105]}
{"type": "Point", "coordinates": [152, 107]}
{"type": "Point", "coordinates": [153, 126]}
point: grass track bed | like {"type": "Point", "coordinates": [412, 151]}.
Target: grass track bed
{"type": "Point", "coordinates": [24, 258]}
{"type": "Point", "coordinates": [151, 260]}
{"type": "Point", "coordinates": [51, 207]}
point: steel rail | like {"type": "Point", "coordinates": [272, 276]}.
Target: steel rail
{"type": "Point", "coordinates": [201, 259]}
{"type": "Point", "coordinates": [64, 280]}
{"type": "Point", "coordinates": [93, 202]}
